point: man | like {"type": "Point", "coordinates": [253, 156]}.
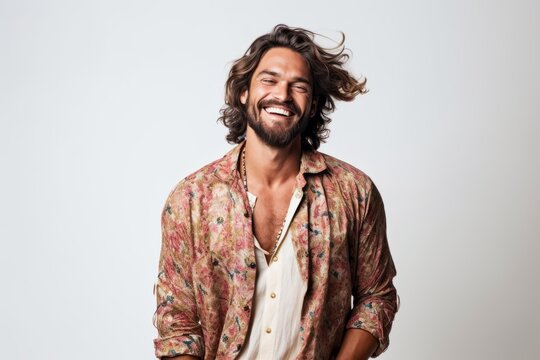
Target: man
{"type": "Point", "coordinates": [263, 249]}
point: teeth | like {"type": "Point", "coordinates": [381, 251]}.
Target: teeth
{"type": "Point", "coordinates": [280, 111]}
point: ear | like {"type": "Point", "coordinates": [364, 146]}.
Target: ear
{"type": "Point", "coordinates": [244, 96]}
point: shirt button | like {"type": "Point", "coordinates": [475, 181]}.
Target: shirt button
{"type": "Point", "coordinates": [274, 259]}
{"type": "Point", "coordinates": [253, 265]}
{"type": "Point", "coordinates": [273, 295]}
{"type": "Point", "coordinates": [268, 330]}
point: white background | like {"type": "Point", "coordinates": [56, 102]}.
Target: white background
{"type": "Point", "coordinates": [106, 105]}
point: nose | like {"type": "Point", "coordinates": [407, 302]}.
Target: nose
{"type": "Point", "coordinates": [281, 91]}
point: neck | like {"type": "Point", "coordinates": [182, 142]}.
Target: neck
{"type": "Point", "coordinates": [270, 167]}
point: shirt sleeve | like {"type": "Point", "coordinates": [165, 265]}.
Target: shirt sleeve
{"type": "Point", "coordinates": [375, 298]}
{"type": "Point", "coordinates": [176, 318]}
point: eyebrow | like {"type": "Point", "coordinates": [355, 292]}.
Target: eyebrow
{"type": "Point", "coordinates": [276, 74]}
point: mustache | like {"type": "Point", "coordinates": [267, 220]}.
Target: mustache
{"type": "Point", "coordinates": [290, 106]}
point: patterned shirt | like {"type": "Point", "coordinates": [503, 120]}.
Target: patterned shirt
{"type": "Point", "coordinates": [207, 268]}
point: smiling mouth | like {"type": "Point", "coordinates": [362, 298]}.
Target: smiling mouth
{"type": "Point", "coordinates": [278, 111]}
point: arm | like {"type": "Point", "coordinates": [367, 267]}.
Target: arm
{"type": "Point", "coordinates": [176, 318]}
{"type": "Point", "coordinates": [358, 344]}
{"type": "Point", "coordinates": [375, 297]}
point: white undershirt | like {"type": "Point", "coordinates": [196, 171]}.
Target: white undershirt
{"type": "Point", "coordinates": [277, 306]}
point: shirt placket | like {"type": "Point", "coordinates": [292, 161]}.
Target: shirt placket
{"type": "Point", "coordinates": [274, 287]}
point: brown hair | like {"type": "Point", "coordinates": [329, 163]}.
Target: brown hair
{"type": "Point", "coordinates": [330, 81]}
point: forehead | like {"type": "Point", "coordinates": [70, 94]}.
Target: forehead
{"type": "Point", "coordinates": [284, 62]}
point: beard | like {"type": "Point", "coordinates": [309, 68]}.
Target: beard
{"type": "Point", "coordinates": [277, 137]}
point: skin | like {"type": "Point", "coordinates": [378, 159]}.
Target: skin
{"type": "Point", "coordinates": [282, 77]}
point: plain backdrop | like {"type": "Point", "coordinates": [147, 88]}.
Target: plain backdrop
{"type": "Point", "coordinates": [106, 105]}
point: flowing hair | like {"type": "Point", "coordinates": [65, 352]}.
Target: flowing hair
{"type": "Point", "coordinates": [330, 81]}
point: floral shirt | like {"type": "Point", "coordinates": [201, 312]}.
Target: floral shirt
{"type": "Point", "coordinates": [207, 268]}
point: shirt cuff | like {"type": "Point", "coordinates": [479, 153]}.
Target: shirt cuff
{"type": "Point", "coordinates": [372, 317]}
{"type": "Point", "coordinates": [179, 345]}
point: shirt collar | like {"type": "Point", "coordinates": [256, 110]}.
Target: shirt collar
{"type": "Point", "coordinates": [312, 162]}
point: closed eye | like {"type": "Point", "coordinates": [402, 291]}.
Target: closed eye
{"type": "Point", "coordinates": [301, 88]}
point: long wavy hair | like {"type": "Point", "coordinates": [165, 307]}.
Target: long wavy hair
{"type": "Point", "coordinates": [330, 81]}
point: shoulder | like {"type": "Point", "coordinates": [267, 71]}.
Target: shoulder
{"type": "Point", "coordinates": [197, 184]}
{"type": "Point", "coordinates": [347, 175]}
{"type": "Point", "coordinates": [352, 185]}
{"type": "Point", "coordinates": [204, 176]}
